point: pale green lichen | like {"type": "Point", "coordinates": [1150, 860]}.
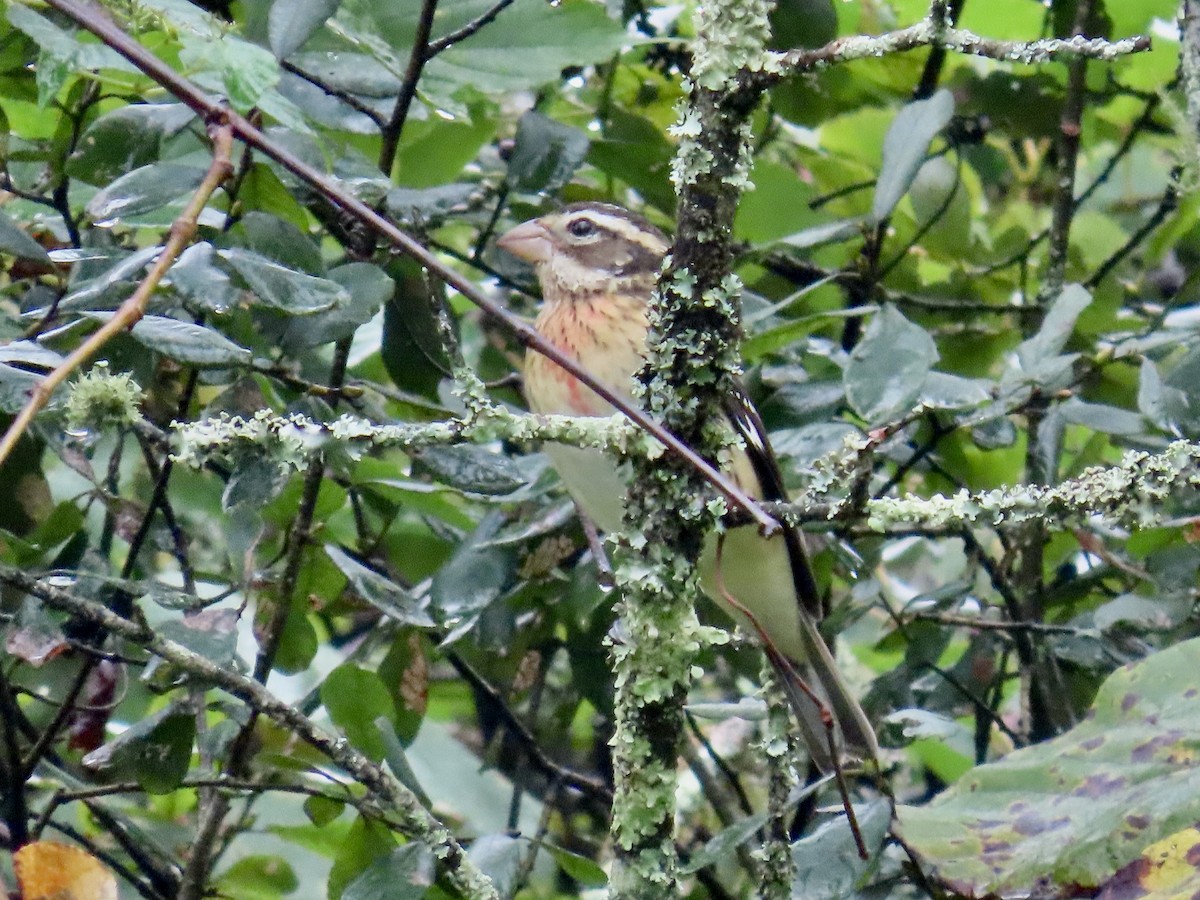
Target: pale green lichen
{"type": "Point", "coordinates": [102, 401]}
{"type": "Point", "coordinates": [735, 34]}
{"type": "Point", "coordinates": [292, 439]}
{"type": "Point", "coordinates": [780, 747]}
{"type": "Point", "coordinates": [1131, 492]}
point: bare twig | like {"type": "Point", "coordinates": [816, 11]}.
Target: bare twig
{"type": "Point", "coordinates": [333, 91]}
{"type": "Point", "coordinates": [981, 624]}
{"type": "Point", "coordinates": [417, 58]}
{"type": "Point", "coordinates": [445, 42]}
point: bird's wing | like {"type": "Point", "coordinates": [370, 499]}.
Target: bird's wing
{"type": "Point", "coordinates": [748, 425]}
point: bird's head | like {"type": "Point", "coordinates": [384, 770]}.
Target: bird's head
{"type": "Point", "coordinates": [586, 248]}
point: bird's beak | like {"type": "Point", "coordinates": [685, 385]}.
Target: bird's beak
{"type": "Point", "coordinates": [529, 241]}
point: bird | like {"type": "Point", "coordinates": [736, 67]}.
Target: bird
{"type": "Point", "coordinates": [597, 265]}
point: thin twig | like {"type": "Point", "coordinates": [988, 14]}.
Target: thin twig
{"type": "Point", "coordinates": [449, 40]}
{"type": "Point", "coordinates": [333, 91]}
{"type": "Point", "coordinates": [132, 310]}
{"type": "Point", "coordinates": [390, 133]}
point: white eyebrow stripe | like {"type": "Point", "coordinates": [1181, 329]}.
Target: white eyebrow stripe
{"type": "Point", "coordinates": [627, 229]}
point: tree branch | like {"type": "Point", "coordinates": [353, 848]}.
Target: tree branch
{"type": "Point", "coordinates": [417, 822]}
{"type": "Point", "coordinates": [95, 21]}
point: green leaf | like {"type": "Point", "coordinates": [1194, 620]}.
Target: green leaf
{"type": "Point", "coordinates": [14, 240]}
{"type": "Point", "coordinates": [827, 861]}
{"type": "Point", "coordinates": [435, 151]}
{"type": "Point", "coordinates": [143, 190]}
{"type": "Point", "coordinates": [125, 139]}
{"type": "Point", "coordinates": [943, 391]}
{"type": "Point", "coordinates": [60, 50]}
{"type": "Point", "coordinates": [368, 841]}
{"type": "Point", "coordinates": [429, 206]}
{"type": "Point", "coordinates": [1076, 808]}
{"type": "Point", "coordinates": [803, 23]}
{"type": "Point", "coordinates": [724, 842]}
{"type": "Point", "coordinates": [397, 760]}
{"type": "Point", "coordinates": [905, 146]}
{"type": "Point", "coordinates": [473, 469]}
{"type": "Point", "coordinates": [1101, 417]}
{"type": "Point", "coordinates": [196, 277]}
{"type": "Point", "coordinates": [404, 874]}
{"type": "Point", "coordinates": [258, 878]}
{"type": "Point", "coordinates": [355, 698]}
{"type": "Point", "coordinates": [280, 241]}
{"type": "Point", "coordinates": [810, 442]}
{"type": "Point", "coordinates": [381, 592]}
{"type": "Point", "coordinates": [472, 579]}
{"type": "Point", "coordinates": [1180, 393]}
{"type": "Point", "coordinates": [889, 366]}
{"type": "Point", "coordinates": [746, 708]}
{"type": "Point", "coordinates": [112, 285]}
{"type": "Point", "coordinates": [195, 345]}
{"type": "Point", "coordinates": [578, 867]}
{"type": "Point", "coordinates": [254, 482]}
{"type": "Point", "coordinates": [323, 810]}
{"type": "Point", "coordinates": [368, 288]}
{"type": "Point", "coordinates": [284, 289]}
{"type": "Point", "coordinates": [828, 233]}
{"type": "Point", "coordinates": [412, 351]}
{"type": "Point", "coordinates": [546, 154]}
{"type": "Point", "coordinates": [778, 205]}
{"type": "Point", "coordinates": [1057, 327]}
{"type": "Point", "coordinates": [16, 387]}
{"type": "Point", "coordinates": [527, 45]}
{"type": "Point", "coordinates": [352, 73]}
{"type": "Point", "coordinates": [246, 71]}
{"type": "Point", "coordinates": [299, 643]}
{"type": "Point", "coordinates": [212, 633]}
{"type": "Point", "coordinates": [292, 22]}
{"type": "Point", "coordinates": [636, 151]}
{"type": "Point", "coordinates": [155, 751]}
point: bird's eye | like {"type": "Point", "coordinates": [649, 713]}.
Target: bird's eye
{"type": "Point", "coordinates": [581, 227]}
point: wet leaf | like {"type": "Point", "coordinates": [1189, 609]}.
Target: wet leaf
{"type": "Point", "coordinates": [904, 149]}
{"type": "Point", "coordinates": [143, 190]}
{"type": "Point", "coordinates": [889, 366]}
{"type": "Point", "coordinates": [1073, 810]}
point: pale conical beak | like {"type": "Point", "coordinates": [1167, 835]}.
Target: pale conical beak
{"type": "Point", "coordinates": [529, 241]}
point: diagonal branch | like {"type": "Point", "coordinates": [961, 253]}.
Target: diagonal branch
{"type": "Point", "coordinates": [418, 822]}
{"type": "Point", "coordinates": [134, 308]}
{"type": "Point", "coordinates": [96, 21]}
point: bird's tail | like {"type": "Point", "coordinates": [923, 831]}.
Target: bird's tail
{"type": "Point", "coordinates": [831, 720]}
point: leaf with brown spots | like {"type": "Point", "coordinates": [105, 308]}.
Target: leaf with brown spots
{"type": "Point", "coordinates": [1063, 816]}
{"type": "Point", "coordinates": [1168, 868]}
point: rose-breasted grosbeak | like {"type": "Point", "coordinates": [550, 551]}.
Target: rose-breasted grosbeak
{"type": "Point", "coordinates": [597, 265]}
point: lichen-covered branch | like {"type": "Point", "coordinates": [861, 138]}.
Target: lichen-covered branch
{"type": "Point", "coordinates": [693, 355]}
{"type": "Point", "coordinates": [291, 439]}
{"type": "Point", "coordinates": [1189, 64]}
{"type": "Point", "coordinates": [1130, 493]}
{"type": "Point", "coordinates": [1133, 493]}
{"type": "Point", "coordinates": [390, 793]}
{"type": "Point", "coordinates": [936, 31]}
